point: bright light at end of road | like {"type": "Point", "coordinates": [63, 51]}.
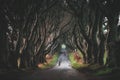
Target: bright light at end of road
{"type": "Point", "coordinates": [63, 46]}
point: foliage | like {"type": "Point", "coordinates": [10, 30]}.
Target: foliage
{"type": "Point", "coordinates": [74, 63]}
{"type": "Point", "coordinates": [98, 70]}
{"type": "Point", "coordinates": [30, 29]}
{"type": "Point", "coordinates": [105, 57]}
{"type": "Point", "coordinates": [103, 71]}
{"type": "Point", "coordinates": [50, 62]}
{"type": "Point", "coordinates": [94, 66]}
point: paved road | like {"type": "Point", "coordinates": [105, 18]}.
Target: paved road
{"type": "Point", "coordinates": [63, 62]}
{"type": "Point", "coordinates": [62, 71]}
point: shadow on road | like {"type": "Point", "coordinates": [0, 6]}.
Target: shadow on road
{"type": "Point", "coordinates": [61, 71]}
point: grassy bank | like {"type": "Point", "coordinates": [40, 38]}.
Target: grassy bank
{"type": "Point", "coordinates": [76, 64]}
{"type": "Point", "coordinates": [50, 62]}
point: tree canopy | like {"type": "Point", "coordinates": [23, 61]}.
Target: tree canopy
{"type": "Point", "coordinates": [30, 29]}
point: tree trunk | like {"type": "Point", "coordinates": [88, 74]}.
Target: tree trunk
{"type": "Point", "coordinates": [42, 58]}
{"type": "Point", "coordinates": [112, 37]}
{"type": "Point", "coordinates": [101, 52]}
{"type": "Point", "coordinates": [89, 54]}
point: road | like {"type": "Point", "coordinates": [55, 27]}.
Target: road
{"type": "Point", "coordinates": [61, 71]}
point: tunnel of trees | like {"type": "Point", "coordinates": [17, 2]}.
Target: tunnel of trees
{"type": "Point", "coordinates": [30, 29]}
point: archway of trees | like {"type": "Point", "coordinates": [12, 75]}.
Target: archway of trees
{"type": "Point", "coordinates": [30, 29]}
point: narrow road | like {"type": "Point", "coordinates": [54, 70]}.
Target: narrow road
{"type": "Point", "coordinates": [61, 71]}
{"type": "Point", "coordinates": [63, 62]}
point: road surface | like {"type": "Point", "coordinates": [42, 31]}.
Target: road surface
{"type": "Point", "coordinates": [61, 71]}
